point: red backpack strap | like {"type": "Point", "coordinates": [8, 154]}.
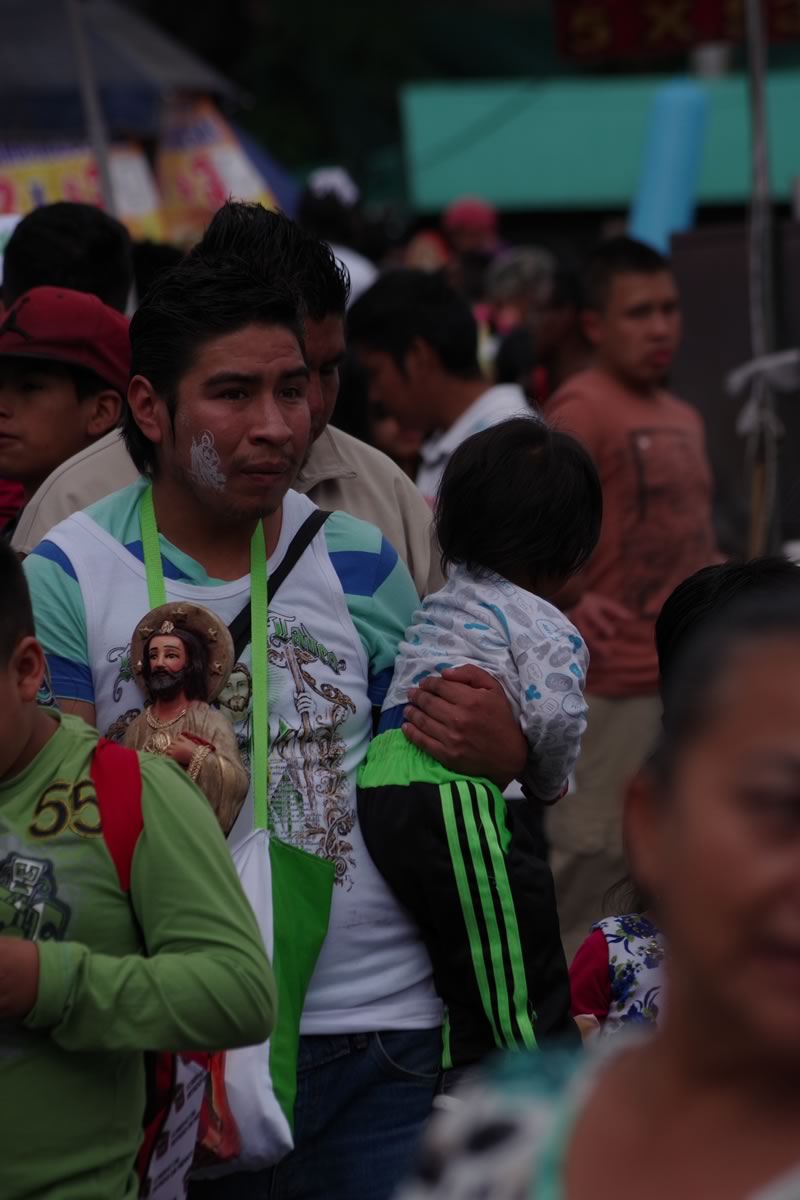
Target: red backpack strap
{"type": "Point", "coordinates": [117, 780]}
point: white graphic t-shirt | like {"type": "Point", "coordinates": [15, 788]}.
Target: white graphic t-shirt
{"type": "Point", "coordinates": [333, 635]}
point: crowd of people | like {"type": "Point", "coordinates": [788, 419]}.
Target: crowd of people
{"type": "Point", "coordinates": [375, 700]}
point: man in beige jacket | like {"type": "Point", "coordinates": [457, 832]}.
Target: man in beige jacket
{"type": "Point", "coordinates": [340, 472]}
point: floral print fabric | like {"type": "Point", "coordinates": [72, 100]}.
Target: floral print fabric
{"type": "Point", "coordinates": [635, 965]}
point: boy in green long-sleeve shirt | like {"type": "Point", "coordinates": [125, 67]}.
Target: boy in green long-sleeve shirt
{"type": "Point", "coordinates": [90, 975]}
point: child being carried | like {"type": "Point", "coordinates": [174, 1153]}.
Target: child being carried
{"type": "Point", "coordinates": [518, 514]}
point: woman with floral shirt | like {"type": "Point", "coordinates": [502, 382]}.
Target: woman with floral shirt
{"type": "Point", "coordinates": [709, 1104]}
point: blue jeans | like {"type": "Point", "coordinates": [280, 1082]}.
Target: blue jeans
{"type": "Point", "coordinates": [362, 1101]}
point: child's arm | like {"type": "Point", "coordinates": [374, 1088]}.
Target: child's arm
{"type": "Point", "coordinates": [553, 716]}
{"type": "Point", "coordinates": [589, 978]}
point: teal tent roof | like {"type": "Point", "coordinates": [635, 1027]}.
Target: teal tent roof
{"type": "Point", "coordinates": [577, 143]}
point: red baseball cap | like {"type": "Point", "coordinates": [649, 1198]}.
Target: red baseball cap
{"type": "Point", "coordinates": [470, 212]}
{"type": "Point", "coordinates": [71, 328]}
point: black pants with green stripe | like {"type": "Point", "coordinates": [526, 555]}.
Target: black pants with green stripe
{"type": "Point", "coordinates": [485, 903]}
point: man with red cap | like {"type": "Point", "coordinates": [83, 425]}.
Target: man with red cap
{"type": "Point", "coordinates": [470, 227]}
{"type": "Point", "coordinates": [64, 365]}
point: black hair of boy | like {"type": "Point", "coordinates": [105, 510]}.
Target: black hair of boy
{"type": "Point", "coordinates": [279, 249]}
{"type": "Point", "coordinates": [151, 259]}
{"type": "Point", "coordinates": [705, 594]}
{"type": "Point", "coordinates": [16, 614]}
{"type": "Point", "coordinates": [74, 246]}
{"type": "Point", "coordinates": [198, 300]}
{"type": "Point", "coordinates": [521, 500]}
{"type": "Point", "coordinates": [405, 305]}
{"type": "Point", "coordinates": [618, 256]}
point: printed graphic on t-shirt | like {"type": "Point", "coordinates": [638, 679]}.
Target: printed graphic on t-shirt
{"type": "Point", "coordinates": [235, 703]}
{"type": "Point", "coordinates": [29, 904]}
{"type": "Point", "coordinates": [311, 802]}
{"type": "Point", "coordinates": [45, 697]}
{"type": "Point", "coordinates": [120, 656]}
{"type": "Point", "coordinates": [660, 530]}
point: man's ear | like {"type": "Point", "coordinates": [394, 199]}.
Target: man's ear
{"type": "Point", "coordinates": [28, 668]}
{"type": "Point", "coordinates": [105, 410]}
{"type": "Point", "coordinates": [148, 409]}
{"type": "Point", "coordinates": [592, 325]}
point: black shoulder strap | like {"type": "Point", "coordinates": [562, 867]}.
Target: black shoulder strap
{"type": "Point", "coordinates": [239, 627]}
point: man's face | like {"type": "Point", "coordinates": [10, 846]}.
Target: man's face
{"type": "Point", "coordinates": [325, 346]}
{"type": "Point", "coordinates": [241, 422]}
{"type": "Point", "coordinates": [638, 331]}
{"type": "Point", "coordinates": [394, 392]}
{"type": "Point", "coordinates": [42, 422]}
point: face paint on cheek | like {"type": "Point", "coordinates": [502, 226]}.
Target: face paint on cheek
{"type": "Point", "coordinates": [205, 463]}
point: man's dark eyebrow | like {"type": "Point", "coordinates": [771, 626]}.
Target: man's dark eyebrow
{"type": "Point", "coordinates": [251, 378]}
{"type": "Point", "coordinates": [294, 373]}
{"type": "Point", "coordinates": [222, 377]}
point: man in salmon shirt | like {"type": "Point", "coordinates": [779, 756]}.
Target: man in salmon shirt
{"type": "Point", "coordinates": [657, 529]}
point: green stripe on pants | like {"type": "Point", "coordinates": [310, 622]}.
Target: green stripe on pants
{"type": "Point", "coordinates": [465, 896]}
{"type": "Point", "coordinates": [481, 875]}
{"type": "Point", "coordinates": [513, 940]}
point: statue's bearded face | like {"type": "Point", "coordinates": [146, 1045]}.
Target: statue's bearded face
{"type": "Point", "coordinates": [166, 667]}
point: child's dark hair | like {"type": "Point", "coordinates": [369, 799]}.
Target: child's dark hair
{"type": "Point", "coordinates": [16, 614]}
{"type": "Point", "coordinates": [522, 500]}
{"type": "Point", "coordinates": [626, 896]}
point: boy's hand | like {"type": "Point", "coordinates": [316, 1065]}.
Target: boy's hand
{"type": "Point", "coordinates": [462, 718]}
{"type": "Point", "coordinates": [19, 976]}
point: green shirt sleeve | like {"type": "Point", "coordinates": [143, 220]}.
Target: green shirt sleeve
{"type": "Point", "coordinates": [204, 982]}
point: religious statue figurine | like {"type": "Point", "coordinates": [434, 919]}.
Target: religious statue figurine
{"type": "Point", "coordinates": [182, 655]}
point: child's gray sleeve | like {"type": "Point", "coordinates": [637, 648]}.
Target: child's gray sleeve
{"type": "Point", "coordinates": [553, 709]}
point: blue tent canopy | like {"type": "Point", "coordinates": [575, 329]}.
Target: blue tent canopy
{"type": "Point", "coordinates": [136, 67]}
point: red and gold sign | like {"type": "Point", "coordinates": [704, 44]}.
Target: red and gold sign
{"type": "Point", "coordinates": [597, 30]}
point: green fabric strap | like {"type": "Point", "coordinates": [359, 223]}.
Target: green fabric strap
{"type": "Point", "coordinates": [259, 654]}
{"type": "Point", "coordinates": [157, 594]}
